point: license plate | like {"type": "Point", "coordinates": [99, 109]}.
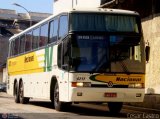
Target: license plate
{"type": "Point", "coordinates": [110, 94]}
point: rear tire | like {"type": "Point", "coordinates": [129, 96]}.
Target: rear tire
{"type": "Point", "coordinates": [16, 94]}
{"type": "Point", "coordinates": [115, 107]}
{"type": "Point", "coordinates": [23, 100]}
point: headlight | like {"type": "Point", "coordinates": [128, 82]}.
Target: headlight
{"type": "Point", "coordinates": [136, 85]}
{"type": "Point", "coordinates": [131, 85]}
{"type": "Point", "coordinates": [81, 84]}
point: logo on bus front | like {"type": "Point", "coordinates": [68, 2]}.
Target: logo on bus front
{"type": "Point", "coordinates": [127, 79]}
{"type": "Point", "coordinates": [110, 84]}
{"type": "Point", "coordinates": [118, 79]}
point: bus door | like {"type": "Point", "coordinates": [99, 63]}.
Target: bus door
{"type": "Point", "coordinates": [63, 64]}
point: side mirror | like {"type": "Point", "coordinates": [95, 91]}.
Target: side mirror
{"type": "Point", "coordinates": [147, 50]}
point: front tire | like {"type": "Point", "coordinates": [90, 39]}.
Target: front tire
{"type": "Point", "coordinates": [23, 100]}
{"type": "Point", "coordinates": [115, 107]}
{"type": "Point", "coordinates": [58, 105]}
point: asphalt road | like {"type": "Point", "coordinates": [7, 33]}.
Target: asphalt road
{"type": "Point", "coordinates": [44, 110]}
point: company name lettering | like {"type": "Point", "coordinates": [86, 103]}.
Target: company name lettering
{"type": "Point", "coordinates": [128, 79]}
{"type": "Point", "coordinates": [29, 59]}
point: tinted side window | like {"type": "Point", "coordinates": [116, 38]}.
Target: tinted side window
{"type": "Point", "coordinates": [28, 44]}
{"type": "Point", "coordinates": [63, 27]}
{"type": "Point", "coordinates": [53, 31]}
{"type": "Point", "coordinates": [43, 35]}
{"type": "Point", "coordinates": [10, 51]}
{"type": "Point", "coordinates": [16, 46]}
{"type": "Point", "coordinates": [22, 44]}
{"type": "Point", "coordinates": [35, 39]}
{"type": "Point", "coordinates": [12, 48]}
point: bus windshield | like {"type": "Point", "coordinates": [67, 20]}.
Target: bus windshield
{"type": "Point", "coordinates": [103, 22]}
{"type": "Point", "coordinates": [107, 53]}
{"type": "Point", "coordinates": [106, 43]}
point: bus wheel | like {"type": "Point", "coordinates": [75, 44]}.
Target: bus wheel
{"type": "Point", "coordinates": [59, 106]}
{"type": "Point", "coordinates": [23, 100]}
{"type": "Point", "coordinates": [115, 107]}
{"type": "Point", "coordinates": [16, 94]}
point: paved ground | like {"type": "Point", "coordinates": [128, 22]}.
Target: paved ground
{"type": "Point", "coordinates": [44, 110]}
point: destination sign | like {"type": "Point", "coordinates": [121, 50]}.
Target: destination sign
{"type": "Point", "coordinates": [90, 37]}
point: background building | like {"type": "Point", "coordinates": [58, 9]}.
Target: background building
{"type": "Point", "coordinates": [10, 24]}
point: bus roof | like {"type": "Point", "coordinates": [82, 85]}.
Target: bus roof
{"type": "Point", "coordinates": [105, 10]}
{"type": "Point", "coordinates": [78, 10]}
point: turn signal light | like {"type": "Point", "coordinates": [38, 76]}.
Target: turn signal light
{"type": "Point", "coordinates": [81, 84]}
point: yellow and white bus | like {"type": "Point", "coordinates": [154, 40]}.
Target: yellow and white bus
{"type": "Point", "coordinates": [77, 56]}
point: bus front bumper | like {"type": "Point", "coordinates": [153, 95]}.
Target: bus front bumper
{"type": "Point", "coordinates": [106, 95]}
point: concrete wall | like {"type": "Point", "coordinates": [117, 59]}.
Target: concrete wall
{"type": "Point", "coordinates": [151, 30]}
{"type": "Point", "coordinates": [3, 49]}
{"type": "Point", "coordinates": [7, 11]}
{"type": "Point", "coordinates": [1, 77]}
{"type": "Point", "coordinates": [5, 76]}
{"type": "Point", "coordinates": [3, 54]}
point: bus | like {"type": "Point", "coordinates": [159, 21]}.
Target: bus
{"type": "Point", "coordinates": [79, 56]}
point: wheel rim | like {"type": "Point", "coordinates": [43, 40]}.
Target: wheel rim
{"type": "Point", "coordinates": [56, 95]}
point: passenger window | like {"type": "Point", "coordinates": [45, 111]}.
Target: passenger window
{"type": "Point", "coordinates": [35, 39]}
{"type": "Point", "coordinates": [16, 46]}
{"type": "Point", "coordinates": [43, 35]}
{"type": "Point", "coordinates": [53, 31]}
{"type": "Point", "coordinates": [63, 28]}
{"type": "Point", "coordinates": [12, 48]}
{"type": "Point", "coordinates": [22, 44]}
{"type": "Point", "coordinates": [28, 44]}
